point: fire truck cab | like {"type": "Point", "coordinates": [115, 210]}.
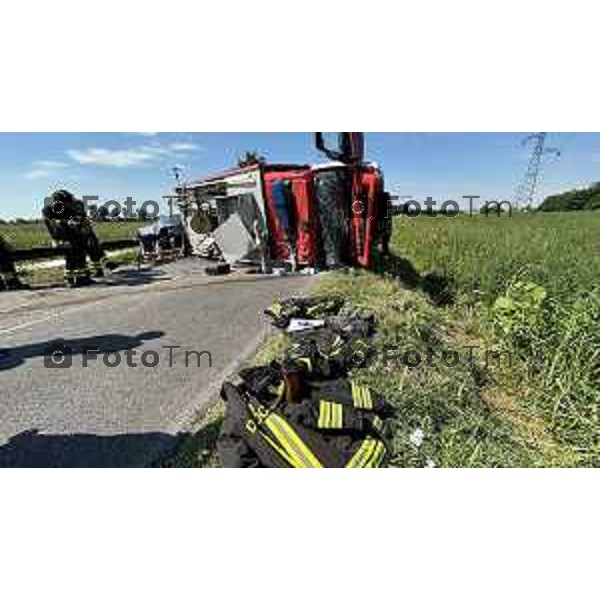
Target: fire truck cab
{"type": "Point", "coordinates": [327, 215]}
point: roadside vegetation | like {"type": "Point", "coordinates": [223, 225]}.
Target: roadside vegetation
{"type": "Point", "coordinates": [32, 274]}
{"type": "Point", "coordinates": [527, 285]}
{"type": "Point", "coordinates": [27, 235]}
{"type": "Point", "coordinates": [23, 236]}
{"type": "Point", "coordinates": [517, 300]}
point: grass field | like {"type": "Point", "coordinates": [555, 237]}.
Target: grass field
{"type": "Point", "coordinates": [523, 286]}
{"type": "Point", "coordinates": [482, 255]}
{"type": "Point", "coordinates": [29, 235]}
{"type": "Point", "coordinates": [531, 286]}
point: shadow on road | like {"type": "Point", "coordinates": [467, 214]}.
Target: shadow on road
{"type": "Point", "coordinates": [136, 277]}
{"type": "Point", "coordinates": [122, 277]}
{"type": "Point", "coordinates": [30, 449]}
{"type": "Point", "coordinates": [11, 358]}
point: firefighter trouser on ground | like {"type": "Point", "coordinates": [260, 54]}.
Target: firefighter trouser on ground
{"type": "Point", "coordinates": [283, 311]}
{"type": "Point", "coordinates": [326, 434]}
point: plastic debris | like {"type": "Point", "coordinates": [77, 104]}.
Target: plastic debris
{"type": "Point", "coordinates": [297, 325]}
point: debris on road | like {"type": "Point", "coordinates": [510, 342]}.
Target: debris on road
{"type": "Point", "coordinates": [235, 241]}
{"type": "Point", "coordinates": [219, 269]}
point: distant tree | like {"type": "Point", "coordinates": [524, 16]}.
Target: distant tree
{"type": "Point", "coordinates": [579, 199]}
{"type": "Point", "coordinates": [251, 158]}
{"type": "Point", "coordinates": [102, 214]}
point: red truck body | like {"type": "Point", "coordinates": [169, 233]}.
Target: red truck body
{"type": "Point", "coordinates": [336, 209]}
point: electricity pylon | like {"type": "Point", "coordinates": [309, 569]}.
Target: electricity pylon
{"type": "Point", "coordinates": [525, 195]}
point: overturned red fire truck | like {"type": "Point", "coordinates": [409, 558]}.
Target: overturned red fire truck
{"type": "Point", "coordinates": [326, 215]}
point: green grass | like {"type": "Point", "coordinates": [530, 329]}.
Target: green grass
{"type": "Point", "coordinates": [493, 267]}
{"type": "Point", "coordinates": [481, 255]}
{"type": "Point", "coordinates": [55, 275]}
{"type": "Point", "coordinates": [29, 235]}
{"type": "Point", "coordinates": [441, 291]}
{"type": "Point", "coordinates": [452, 407]}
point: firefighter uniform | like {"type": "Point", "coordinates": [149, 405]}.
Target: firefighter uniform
{"type": "Point", "coordinates": [329, 352]}
{"type": "Point", "coordinates": [9, 279]}
{"type": "Point", "coordinates": [334, 424]}
{"type": "Point", "coordinates": [283, 311]}
{"type": "Point", "coordinates": [309, 410]}
{"type": "Point", "coordinates": [95, 251]}
{"type": "Point", "coordinates": [69, 225]}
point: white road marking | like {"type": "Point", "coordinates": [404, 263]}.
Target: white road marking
{"type": "Point", "coordinates": [55, 315]}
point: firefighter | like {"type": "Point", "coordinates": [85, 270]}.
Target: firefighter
{"type": "Point", "coordinates": [9, 280]}
{"type": "Point", "coordinates": [69, 226]}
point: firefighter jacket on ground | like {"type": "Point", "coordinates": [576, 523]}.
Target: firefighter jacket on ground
{"type": "Point", "coordinates": [283, 311]}
{"type": "Point", "coordinates": [68, 224]}
{"type": "Point", "coordinates": [331, 424]}
{"type": "Point", "coordinates": [343, 343]}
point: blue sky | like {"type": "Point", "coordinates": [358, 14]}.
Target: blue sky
{"type": "Point", "coordinates": [117, 165]}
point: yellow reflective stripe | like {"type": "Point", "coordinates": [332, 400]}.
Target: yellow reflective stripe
{"type": "Point", "coordinates": [361, 397]}
{"type": "Point", "coordinates": [307, 362]}
{"type": "Point", "coordinates": [276, 308]}
{"type": "Point", "coordinates": [368, 456]}
{"type": "Point", "coordinates": [278, 447]}
{"type": "Point", "coordinates": [323, 415]}
{"type": "Point", "coordinates": [292, 443]}
{"type": "Point", "coordinates": [377, 456]}
{"type": "Point", "coordinates": [337, 416]}
{"type": "Point", "coordinates": [368, 401]}
{"type": "Point", "coordinates": [338, 342]}
{"type": "Point", "coordinates": [281, 451]}
{"type": "Point", "coordinates": [337, 346]}
{"type": "Point", "coordinates": [361, 455]}
{"type": "Point", "coordinates": [355, 395]}
{"type": "Point", "coordinates": [331, 415]}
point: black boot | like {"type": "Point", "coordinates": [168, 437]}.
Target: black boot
{"type": "Point", "coordinates": [12, 282]}
{"type": "Point", "coordinates": [97, 270]}
{"type": "Point", "coordinates": [70, 279]}
{"type": "Point", "coordinates": [17, 284]}
{"type": "Point", "coordinates": [83, 280]}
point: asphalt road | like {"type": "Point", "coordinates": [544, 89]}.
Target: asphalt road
{"type": "Point", "coordinates": [123, 415]}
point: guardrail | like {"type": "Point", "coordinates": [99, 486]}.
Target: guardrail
{"type": "Point", "coordinates": [48, 252]}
